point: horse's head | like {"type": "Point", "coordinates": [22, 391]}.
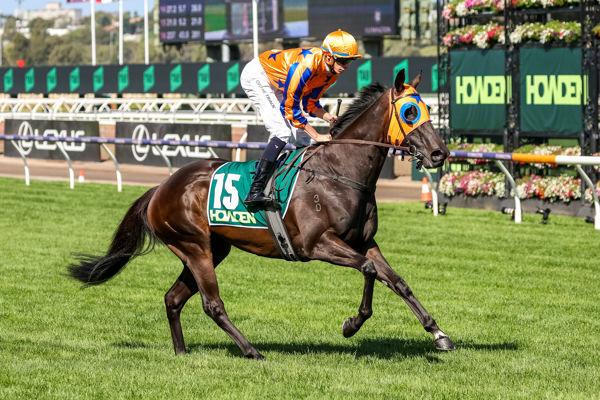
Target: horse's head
{"type": "Point", "coordinates": [410, 124]}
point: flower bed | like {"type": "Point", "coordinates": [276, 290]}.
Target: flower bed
{"type": "Point", "coordinates": [472, 183]}
{"type": "Point", "coordinates": [556, 188]}
{"type": "Point", "coordinates": [464, 8]}
{"type": "Point", "coordinates": [483, 36]}
{"type": "Point", "coordinates": [486, 36]}
{"type": "Point", "coordinates": [562, 188]}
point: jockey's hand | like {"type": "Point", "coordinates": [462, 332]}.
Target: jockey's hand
{"type": "Point", "coordinates": [332, 121]}
{"type": "Point", "coordinates": [323, 138]}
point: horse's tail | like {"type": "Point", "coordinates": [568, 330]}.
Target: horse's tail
{"type": "Point", "coordinates": [134, 237]}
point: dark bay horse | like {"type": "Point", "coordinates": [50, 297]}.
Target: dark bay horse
{"type": "Point", "coordinates": [333, 220]}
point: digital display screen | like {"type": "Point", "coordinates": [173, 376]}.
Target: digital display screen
{"type": "Point", "coordinates": [218, 20]}
{"type": "Point", "coordinates": [181, 20]}
{"type": "Point", "coordinates": [358, 17]}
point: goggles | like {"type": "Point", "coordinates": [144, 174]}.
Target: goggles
{"type": "Point", "coordinates": [343, 61]}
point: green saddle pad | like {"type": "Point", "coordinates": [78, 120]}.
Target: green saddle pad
{"type": "Point", "coordinates": [230, 184]}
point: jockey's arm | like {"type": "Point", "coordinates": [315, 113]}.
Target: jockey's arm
{"type": "Point", "coordinates": [315, 135]}
{"type": "Point", "coordinates": [325, 116]}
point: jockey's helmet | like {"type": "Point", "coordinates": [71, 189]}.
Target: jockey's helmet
{"type": "Point", "coordinates": [341, 44]}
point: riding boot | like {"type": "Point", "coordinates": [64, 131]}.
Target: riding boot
{"type": "Point", "coordinates": [264, 170]}
{"type": "Point", "coordinates": [256, 196]}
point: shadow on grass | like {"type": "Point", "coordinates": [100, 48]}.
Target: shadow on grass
{"type": "Point", "coordinates": [377, 348]}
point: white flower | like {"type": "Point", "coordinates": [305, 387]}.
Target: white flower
{"type": "Point", "coordinates": [480, 39]}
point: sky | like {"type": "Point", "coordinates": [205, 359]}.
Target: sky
{"type": "Point", "coordinates": [8, 7]}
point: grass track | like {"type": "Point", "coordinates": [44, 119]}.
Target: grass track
{"type": "Point", "coordinates": [520, 301]}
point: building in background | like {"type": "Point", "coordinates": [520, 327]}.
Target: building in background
{"type": "Point", "coordinates": [53, 11]}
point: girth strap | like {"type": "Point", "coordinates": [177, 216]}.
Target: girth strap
{"type": "Point", "coordinates": [338, 178]}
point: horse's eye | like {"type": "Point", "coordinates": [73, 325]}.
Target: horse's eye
{"type": "Point", "coordinates": [410, 113]}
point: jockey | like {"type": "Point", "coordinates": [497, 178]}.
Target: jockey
{"type": "Point", "coordinates": [282, 83]}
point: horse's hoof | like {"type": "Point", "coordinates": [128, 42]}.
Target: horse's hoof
{"type": "Point", "coordinates": [347, 329]}
{"type": "Point", "coordinates": [444, 344]}
{"type": "Point", "coordinates": [255, 355]}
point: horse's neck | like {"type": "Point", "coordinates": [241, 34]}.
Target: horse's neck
{"type": "Point", "coordinates": [365, 161]}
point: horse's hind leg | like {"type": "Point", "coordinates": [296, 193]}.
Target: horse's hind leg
{"type": "Point", "coordinates": [199, 259]}
{"type": "Point", "coordinates": [391, 279]}
{"type": "Point", "coordinates": [214, 307]}
{"type": "Point", "coordinates": [185, 287]}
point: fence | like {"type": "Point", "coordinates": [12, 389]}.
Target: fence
{"type": "Point", "coordinates": [123, 141]}
{"type": "Point", "coordinates": [237, 112]}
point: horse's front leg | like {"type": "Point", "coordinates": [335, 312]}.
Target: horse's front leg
{"type": "Point", "coordinates": [353, 324]}
{"type": "Point", "coordinates": [333, 250]}
{"type": "Point", "coordinates": [391, 279]}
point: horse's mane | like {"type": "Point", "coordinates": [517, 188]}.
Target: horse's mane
{"type": "Point", "coordinates": [367, 96]}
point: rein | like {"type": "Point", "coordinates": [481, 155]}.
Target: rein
{"type": "Point", "coordinates": [367, 142]}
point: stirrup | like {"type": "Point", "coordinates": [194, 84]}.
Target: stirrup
{"type": "Point", "coordinates": [261, 201]}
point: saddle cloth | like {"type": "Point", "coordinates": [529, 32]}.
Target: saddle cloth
{"type": "Point", "coordinates": [230, 184]}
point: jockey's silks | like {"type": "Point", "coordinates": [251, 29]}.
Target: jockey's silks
{"type": "Point", "coordinates": [303, 77]}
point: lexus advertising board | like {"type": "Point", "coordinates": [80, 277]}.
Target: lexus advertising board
{"type": "Point", "coordinates": [77, 151]}
{"type": "Point", "coordinates": [178, 155]}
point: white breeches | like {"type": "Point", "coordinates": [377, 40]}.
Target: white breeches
{"type": "Point", "coordinates": [267, 100]}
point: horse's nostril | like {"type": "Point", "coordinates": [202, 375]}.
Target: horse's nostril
{"type": "Point", "coordinates": [438, 155]}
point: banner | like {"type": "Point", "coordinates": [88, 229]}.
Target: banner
{"type": "Point", "coordinates": [477, 90]}
{"type": "Point", "coordinates": [551, 91]}
{"type": "Point", "coordinates": [178, 155]}
{"type": "Point", "coordinates": [77, 151]}
{"type": "Point", "coordinates": [205, 78]}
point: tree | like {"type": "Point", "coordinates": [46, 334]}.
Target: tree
{"type": "Point", "coordinates": [39, 26]}
{"type": "Point", "coordinates": [10, 29]}
{"type": "Point", "coordinates": [67, 53]}
{"type": "Point", "coordinates": [102, 18]}
{"type": "Point", "coordinates": [18, 49]}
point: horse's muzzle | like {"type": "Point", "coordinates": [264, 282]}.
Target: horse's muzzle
{"type": "Point", "coordinates": [427, 147]}
{"type": "Point", "coordinates": [436, 158]}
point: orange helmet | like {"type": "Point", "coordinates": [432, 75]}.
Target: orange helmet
{"type": "Point", "coordinates": [341, 44]}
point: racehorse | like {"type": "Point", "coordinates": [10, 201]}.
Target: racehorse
{"type": "Point", "coordinates": [332, 215]}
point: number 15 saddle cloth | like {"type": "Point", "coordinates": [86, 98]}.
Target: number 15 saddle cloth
{"type": "Point", "coordinates": [230, 184]}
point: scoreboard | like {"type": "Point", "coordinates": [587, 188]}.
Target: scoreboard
{"type": "Point", "coordinates": [181, 21]}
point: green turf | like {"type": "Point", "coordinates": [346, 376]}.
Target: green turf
{"type": "Point", "coordinates": [521, 302]}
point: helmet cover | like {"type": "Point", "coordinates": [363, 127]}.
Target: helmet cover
{"type": "Point", "coordinates": [341, 44]}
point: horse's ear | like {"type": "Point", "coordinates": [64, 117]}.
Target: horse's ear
{"type": "Point", "coordinates": [399, 81]}
{"type": "Point", "coordinates": [417, 80]}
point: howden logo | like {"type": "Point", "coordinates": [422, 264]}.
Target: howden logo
{"type": "Point", "coordinates": [553, 89]}
{"type": "Point", "coordinates": [488, 89]}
